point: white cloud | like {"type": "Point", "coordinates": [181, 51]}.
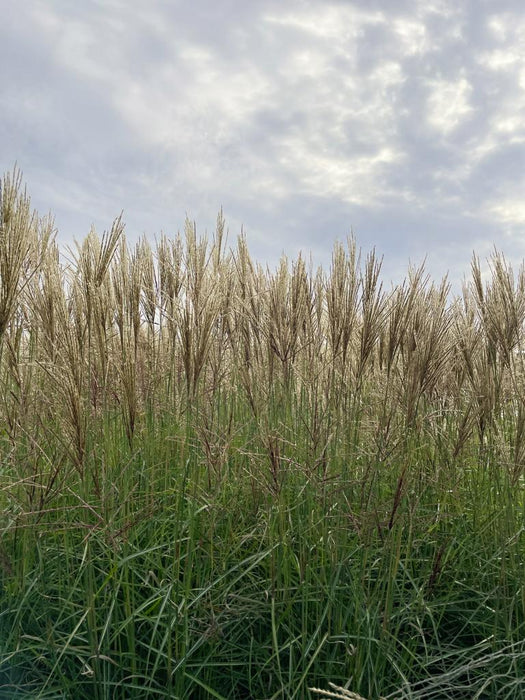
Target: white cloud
{"type": "Point", "coordinates": [194, 99]}
{"type": "Point", "coordinates": [335, 22]}
{"type": "Point", "coordinates": [93, 48]}
{"type": "Point", "coordinates": [508, 210]}
{"type": "Point", "coordinates": [510, 124]}
{"type": "Point", "coordinates": [498, 26]}
{"type": "Point", "coordinates": [449, 104]}
{"type": "Point", "coordinates": [355, 181]}
{"type": "Point", "coordinates": [500, 59]}
{"type": "Point", "coordinates": [412, 35]}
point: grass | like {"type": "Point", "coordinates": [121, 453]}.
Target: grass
{"type": "Point", "coordinates": [219, 481]}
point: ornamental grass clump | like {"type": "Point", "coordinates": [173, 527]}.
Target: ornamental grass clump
{"type": "Point", "coordinates": [222, 480]}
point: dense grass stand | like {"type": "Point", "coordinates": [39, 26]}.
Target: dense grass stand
{"type": "Point", "coordinates": [221, 481]}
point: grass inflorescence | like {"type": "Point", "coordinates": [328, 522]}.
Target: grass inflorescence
{"type": "Point", "coordinates": [222, 481]}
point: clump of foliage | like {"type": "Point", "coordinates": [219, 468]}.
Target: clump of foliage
{"type": "Point", "coordinates": [223, 481]}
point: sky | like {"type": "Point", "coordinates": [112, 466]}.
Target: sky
{"type": "Point", "coordinates": [401, 122]}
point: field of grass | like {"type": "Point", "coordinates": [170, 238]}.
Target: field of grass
{"type": "Point", "coordinates": [220, 481]}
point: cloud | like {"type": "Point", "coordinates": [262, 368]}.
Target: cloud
{"type": "Point", "coordinates": [402, 120]}
{"type": "Point", "coordinates": [449, 104]}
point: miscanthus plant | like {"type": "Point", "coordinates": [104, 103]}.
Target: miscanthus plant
{"type": "Point", "coordinates": [223, 481]}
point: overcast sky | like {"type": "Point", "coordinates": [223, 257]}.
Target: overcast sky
{"type": "Point", "coordinates": [400, 120]}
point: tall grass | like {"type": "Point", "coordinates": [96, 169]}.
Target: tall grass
{"type": "Point", "coordinates": [219, 480]}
